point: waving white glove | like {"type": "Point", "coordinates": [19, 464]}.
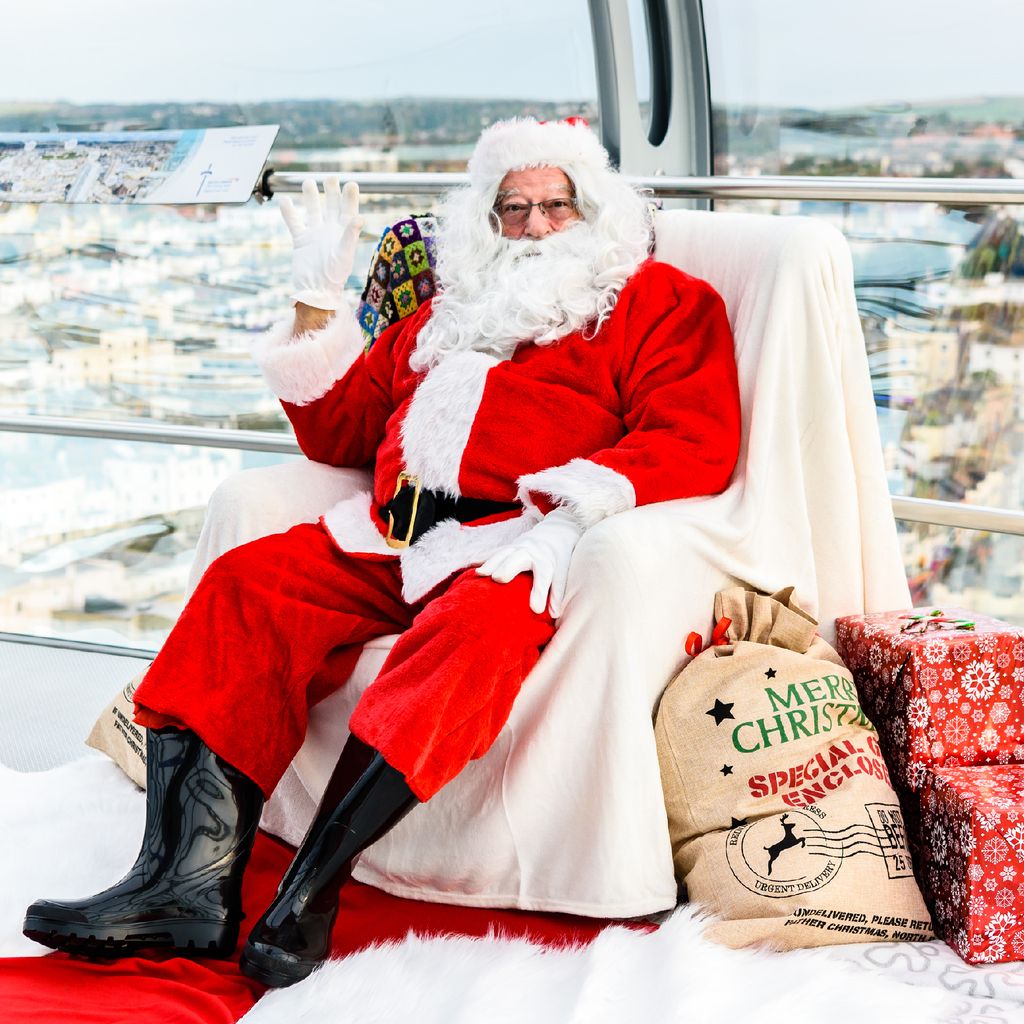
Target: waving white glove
{"type": "Point", "coordinates": [545, 550]}
{"type": "Point", "coordinates": [325, 245]}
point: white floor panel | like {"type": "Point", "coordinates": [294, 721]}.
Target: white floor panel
{"type": "Point", "coordinates": [49, 699]}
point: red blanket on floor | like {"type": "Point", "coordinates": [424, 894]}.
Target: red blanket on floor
{"type": "Point", "coordinates": [172, 990]}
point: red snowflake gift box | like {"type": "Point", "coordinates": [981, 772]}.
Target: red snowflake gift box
{"type": "Point", "coordinates": [942, 688]}
{"type": "Point", "coordinates": [972, 865]}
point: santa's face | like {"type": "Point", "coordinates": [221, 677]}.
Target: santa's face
{"type": "Point", "coordinates": [495, 298]}
{"type": "Point", "coordinates": [528, 188]}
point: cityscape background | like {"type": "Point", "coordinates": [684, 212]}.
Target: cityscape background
{"type": "Point", "coordinates": [128, 313]}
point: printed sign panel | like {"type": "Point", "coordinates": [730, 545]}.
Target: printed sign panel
{"type": "Point", "coordinates": [211, 165]}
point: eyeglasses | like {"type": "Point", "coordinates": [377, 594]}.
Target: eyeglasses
{"type": "Point", "coordinates": [514, 214]}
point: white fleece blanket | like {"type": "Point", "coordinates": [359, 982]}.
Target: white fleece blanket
{"type": "Point", "coordinates": [566, 813]}
{"type": "Point", "coordinates": [671, 975]}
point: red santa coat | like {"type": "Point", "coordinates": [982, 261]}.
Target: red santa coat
{"type": "Point", "coordinates": [646, 410]}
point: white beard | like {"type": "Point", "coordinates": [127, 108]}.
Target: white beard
{"type": "Point", "coordinates": [522, 290]}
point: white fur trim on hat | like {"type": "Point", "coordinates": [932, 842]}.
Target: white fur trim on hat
{"type": "Point", "coordinates": [589, 491]}
{"type": "Point", "coordinates": [301, 370]}
{"type": "Point", "coordinates": [523, 142]}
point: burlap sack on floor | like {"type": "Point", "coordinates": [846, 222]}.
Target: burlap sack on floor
{"type": "Point", "coordinates": [117, 736]}
{"type": "Point", "coordinates": [782, 817]}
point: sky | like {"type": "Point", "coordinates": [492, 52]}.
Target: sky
{"type": "Point", "coordinates": [797, 52]}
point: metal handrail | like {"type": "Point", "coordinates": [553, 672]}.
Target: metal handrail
{"type": "Point", "coordinates": [913, 510]}
{"type": "Point", "coordinates": [950, 513]}
{"type": "Point", "coordinates": [958, 191]}
{"type": "Point", "coordinates": [156, 433]}
{"type": "Point", "coordinates": [91, 646]}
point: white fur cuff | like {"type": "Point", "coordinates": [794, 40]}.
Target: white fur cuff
{"type": "Point", "coordinates": [301, 370]}
{"type": "Point", "coordinates": [589, 491]}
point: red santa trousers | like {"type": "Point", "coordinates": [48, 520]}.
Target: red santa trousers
{"type": "Point", "coordinates": [276, 625]}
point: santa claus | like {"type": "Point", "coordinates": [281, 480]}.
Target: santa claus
{"type": "Point", "coordinates": [562, 376]}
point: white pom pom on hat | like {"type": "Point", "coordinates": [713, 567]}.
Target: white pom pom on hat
{"type": "Point", "coordinates": [522, 142]}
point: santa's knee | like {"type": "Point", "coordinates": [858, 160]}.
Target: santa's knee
{"type": "Point", "coordinates": [478, 605]}
{"type": "Point", "coordinates": [239, 569]}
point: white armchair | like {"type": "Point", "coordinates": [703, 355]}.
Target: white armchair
{"type": "Point", "coordinates": [565, 812]}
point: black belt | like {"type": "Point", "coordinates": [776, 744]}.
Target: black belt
{"type": "Point", "coordinates": [414, 510]}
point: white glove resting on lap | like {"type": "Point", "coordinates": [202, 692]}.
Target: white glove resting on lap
{"type": "Point", "coordinates": [325, 245]}
{"type": "Point", "coordinates": [545, 550]}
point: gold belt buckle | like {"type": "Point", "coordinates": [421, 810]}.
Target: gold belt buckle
{"type": "Point", "coordinates": [413, 481]}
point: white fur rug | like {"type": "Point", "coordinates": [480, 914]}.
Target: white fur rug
{"type": "Point", "coordinates": [77, 828]}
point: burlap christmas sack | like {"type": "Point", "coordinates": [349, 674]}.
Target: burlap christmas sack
{"type": "Point", "coordinates": [117, 736]}
{"type": "Point", "coordinates": [782, 817]}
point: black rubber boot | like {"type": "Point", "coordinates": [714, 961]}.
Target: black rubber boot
{"type": "Point", "coordinates": [353, 761]}
{"type": "Point", "coordinates": [294, 935]}
{"type": "Point", "coordinates": [184, 891]}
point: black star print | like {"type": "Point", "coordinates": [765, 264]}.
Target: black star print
{"type": "Point", "coordinates": [726, 769]}
{"type": "Point", "coordinates": [720, 712]}
{"type": "Point", "coordinates": [770, 673]}
{"type": "Point", "coordinates": [736, 822]}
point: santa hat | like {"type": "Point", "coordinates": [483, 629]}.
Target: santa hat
{"type": "Point", "coordinates": [523, 142]}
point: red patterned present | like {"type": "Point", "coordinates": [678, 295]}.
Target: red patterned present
{"type": "Point", "coordinates": [972, 864]}
{"type": "Point", "coordinates": [942, 688]}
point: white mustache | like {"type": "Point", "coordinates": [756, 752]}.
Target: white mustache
{"type": "Point", "coordinates": [560, 241]}
{"type": "Point", "coordinates": [522, 248]}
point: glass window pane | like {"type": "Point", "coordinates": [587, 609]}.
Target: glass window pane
{"type": "Point", "coordinates": [134, 312]}
{"type": "Point", "coordinates": [974, 570]}
{"type": "Point", "coordinates": [332, 75]}
{"type": "Point", "coordinates": [97, 537]}
{"type": "Point", "coordinates": [638, 30]}
{"type": "Point", "coordinates": [879, 88]}
{"type": "Point", "coordinates": [940, 293]}
{"type": "Point", "coordinates": [138, 312]}
{"type": "Point", "coordinates": [894, 90]}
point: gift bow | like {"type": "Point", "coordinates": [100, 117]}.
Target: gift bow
{"type": "Point", "coordinates": [922, 623]}
{"type": "Point", "coordinates": [695, 642]}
